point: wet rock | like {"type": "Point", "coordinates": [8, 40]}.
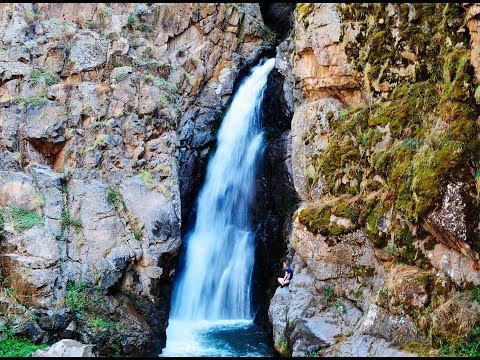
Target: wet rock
{"type": "Point", "coordinates": [448, 224]}
{"type": "Point", "coordinates": [33, 331]}
{"type": "Point", "coordinates": [69, 331]}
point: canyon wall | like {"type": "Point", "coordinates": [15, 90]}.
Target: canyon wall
{"type": "Point", "coordinates": [108, 112]}
{"type": "Point", "coordinates": [385, 157]}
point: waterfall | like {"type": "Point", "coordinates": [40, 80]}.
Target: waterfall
{"type": "Point", "coordinates": [215, 284]}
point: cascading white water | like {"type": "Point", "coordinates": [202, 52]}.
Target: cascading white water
{"type": "Point", "coordinates": [216, 281]}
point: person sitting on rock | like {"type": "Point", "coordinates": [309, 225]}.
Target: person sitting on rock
{"type": "Point", "coordinates": [288, 275]}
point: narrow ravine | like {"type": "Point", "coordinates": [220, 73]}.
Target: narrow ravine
{"type": "Point", "coordinates": [211, 310]}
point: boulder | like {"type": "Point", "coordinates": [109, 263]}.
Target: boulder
{"type": "Point", "coordinates": [44, 127]}
{"type": "Point", "coordinates": [66, 348]}
{"type": "Point", "coordinates": [88, 52]}
{"type": "Point", "coordinates": [17, 189]}
{"type": "Point", "coordinates": [455, 265]}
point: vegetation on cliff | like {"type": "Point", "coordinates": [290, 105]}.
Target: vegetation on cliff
{"type": "Point", "coordinates": [420, 132]}
{"type": "Point", "coordinates": [387, 163]}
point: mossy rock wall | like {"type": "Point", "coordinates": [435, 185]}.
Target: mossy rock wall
{"type": "Point", "coordinates": [417, 133]}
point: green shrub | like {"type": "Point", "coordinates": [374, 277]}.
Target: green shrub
{"type": "Point", "coordinates": [134, 23]}
{"type": "Point", "coordinates": [18, 347]}
{"type": "Point", "coordinates": [97, 324]}
{"type": "Point", "coordinates": [66, 221]}
{"type": "Point", "coordinates": [34, 101]}
{"type": "Point", "coordinates": [50, 79]}
{"type": "Point", "coordinates": [137, 234]}
{"type": "Point", "coordinates": [76, 296]}
{"type": "Point", "coordinates": [21, 219]}
{"type": "Point", "coordinates": [101, 140]}
{"type": "Point", "coordinates": [283, 347]}
{"type": "Point", "coordinates": [328, 291]}
{"type": "Point", "coordinates": [115, 198]}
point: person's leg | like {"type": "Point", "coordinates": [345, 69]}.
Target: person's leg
{"type": "Point", "coordinates": [280, 280]}
{"type": "Point", "coordinates": [286, 282]}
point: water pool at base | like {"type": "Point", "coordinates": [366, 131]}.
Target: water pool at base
{"type": "Point", "coordinates": [216, 338]}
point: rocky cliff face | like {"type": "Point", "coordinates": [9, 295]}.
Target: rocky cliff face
{"type": "Point", "coordinates": [107, 114]}
{"type": "Point", "coordinates": [385, 159]}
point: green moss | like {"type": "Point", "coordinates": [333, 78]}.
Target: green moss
{"type": "Point", "coordinates": [98, 324]}
{"type": "Point", "coordinates": [431, 115]}
{"type": "Point", "coordinates": [364, 271]}
{"type": "Point", "coordinates": [379, 211]}
{"type": "Point", "coordinates": [283, 347]}
{"type": "Point", "coordinates": [101, 141]}
{"type": "Point", "coordinates": [317, 218]}
{"type": "Point", "coordinates": [134, 23]}
{"type": "Point", "coordinates": [33, 101]}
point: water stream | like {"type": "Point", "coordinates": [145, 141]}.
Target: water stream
{"type": "Point", "coordinates": [211, 312]}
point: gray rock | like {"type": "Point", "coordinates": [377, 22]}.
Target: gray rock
{"type": "Point", "coordinates": [398, 330]}
{"type": "Point", "coordinates": [448, 224]}
{"type": "Point", "coordinates": [121, 73]}
{"type": "Point", "coordinates": [10, 120]}
{"type": "Point", "coordinates": [102, 230]}
{"type": "Point", "coordinates": [310, 126]}
{"type": "Point", "coordinates": [359, 345]}
{"type": "Point", "coordinates": [33, 331]}
{"type": "Point", "coordinates": [17, 189]}
{"type": "Point", "coordinates": [44, 127]}
{"type": "Point", "coordinates": [66, 348]}
{"type": "Point", "coordinates": [9, 69]}
{"type": "Point", "coordinates": [16, 30]}
{"type": "Point", "coordinates": [88, 52]}
{"type": "Point", "coordinates": [454, 264]}
{"type": "Point", "coordinates": [58, 320]}
{"type": "Point", "coordinates": [49, 185]}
